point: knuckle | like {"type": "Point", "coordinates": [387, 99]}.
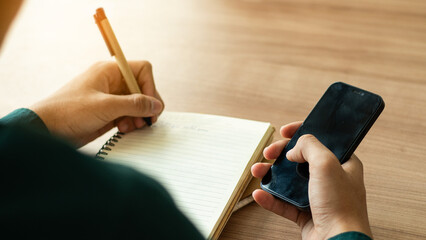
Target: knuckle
{"type": "Point", "coordinates": [324, 161]}
{"type": "Point", "coordinates": [104, 67]}
{"type": "Point", "coordinates": [101, 64]}
{"type": "Point", "coordinates": [306, 139]}
{"type": "Point", "coordinates": [147, 64]}
{"type": "Point", "coordinates": [361, 165]}
{"type": "Point", "coordinates": [98, 64]}
{"type": "Point", "coordinates": [141, 103]}
{"type": "Point", "coordinates": [161, 100]}
{"type": "Point", "coordinates": [309, 137]}
{"type": "Point", "coordinates": [109, 65]}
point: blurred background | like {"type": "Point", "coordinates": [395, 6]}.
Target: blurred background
{"type": "Point", "coordinates": [258, 59]}
{"type": "Point", "coordinates": [51, 42]}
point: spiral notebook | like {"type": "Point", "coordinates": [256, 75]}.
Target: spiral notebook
{"type": "Point", "coordinates": [202, 160]}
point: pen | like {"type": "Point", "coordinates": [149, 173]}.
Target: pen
{"type": "Point", "coordinates": [115, 50]}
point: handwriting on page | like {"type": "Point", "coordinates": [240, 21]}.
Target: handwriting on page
{"type": "Point", "coordinates": [188, 126]}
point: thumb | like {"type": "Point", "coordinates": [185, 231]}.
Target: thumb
{"type": "Point", "coordinates": [309, 149]}
{"type": "Point", "coordinates": [134, 105]}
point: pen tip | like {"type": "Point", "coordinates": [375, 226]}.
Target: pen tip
{"type": "Point", "coordinates": [148, 121]}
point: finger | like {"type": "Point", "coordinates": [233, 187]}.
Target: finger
{"type": "Point", "coordinates": [126, 125]}
{"type": "Point", "coordinates": [139, 122]}
{"type": "Point", "coordinates": [258, 170]}
{"type": "Point", "coordinates": [354, 166]}
{"type": "Point", "coordinates": [154, 119]}
{"type": "Point", "coordinates": [288, 130]}
{"type": "Point", "coordinates": [309, 149]}
{"type": "Point", "coordinates": [135, 105]}
{"type": "Point", "coordinates": [108, 71]}
{"type": "Point", "coordinates": [270, 203]}
{"type": "Point", "coordinates": [275, 149]}
{"type": "Point", "coordinates": [157, 96]}
{"type": "Point", "coordinates": [143, 74]}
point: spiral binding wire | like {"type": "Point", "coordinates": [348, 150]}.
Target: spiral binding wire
{"type": "Point", "coordinates": [106, 147]}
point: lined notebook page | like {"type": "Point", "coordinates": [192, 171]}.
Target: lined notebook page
{"type": "Point", "coordinates": [198, 158]}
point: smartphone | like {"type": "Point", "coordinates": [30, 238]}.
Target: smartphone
{"type": "Point", "coordinates": [340, 120]}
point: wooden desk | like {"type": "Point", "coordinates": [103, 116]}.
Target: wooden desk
{"type": "Point", "coordinates": [262, 60]}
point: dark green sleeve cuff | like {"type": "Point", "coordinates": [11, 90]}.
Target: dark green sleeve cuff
{"type": "Point", "coordinates": [24, 117]}
{"type": "Point", "coordinates": [351, 236]}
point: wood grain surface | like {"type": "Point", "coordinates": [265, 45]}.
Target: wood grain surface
{"type": "Point", "coordinates": [263, 60]}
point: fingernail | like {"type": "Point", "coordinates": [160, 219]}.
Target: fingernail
{"type": "Point", "coordinates": [156, 106]}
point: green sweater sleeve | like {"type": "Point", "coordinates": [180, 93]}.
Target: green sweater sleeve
{"type": "Point", "coordinates": [51, 191]}
{"type": "Point", "coordinates": [24, 117]}
{"type": "Point", "coordinates": [350, 236]}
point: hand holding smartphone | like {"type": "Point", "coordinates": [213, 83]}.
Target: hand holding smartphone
{"type": "Point", "coordinates": [340, 120]}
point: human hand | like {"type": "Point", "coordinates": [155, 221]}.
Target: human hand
{"type": "Point", "coordinates": [97, 100]}
{"type": "Point", "coordinates": [336, 192]}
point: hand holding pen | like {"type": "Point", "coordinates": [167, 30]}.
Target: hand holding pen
{"type": "Point", "coordinates": [115, 50]}
{"type": "Point", "coordinates": [100, 99]}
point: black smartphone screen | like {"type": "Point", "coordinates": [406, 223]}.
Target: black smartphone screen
{"type": "Point", "coordinates": [340, 120]}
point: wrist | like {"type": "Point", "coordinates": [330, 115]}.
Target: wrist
{"type": "Point", "coordinates": [49, 113]}
{"type": "Point", "coordinates": [40, 111]}
{"type": "Point", "coordinates": [348, 225]}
